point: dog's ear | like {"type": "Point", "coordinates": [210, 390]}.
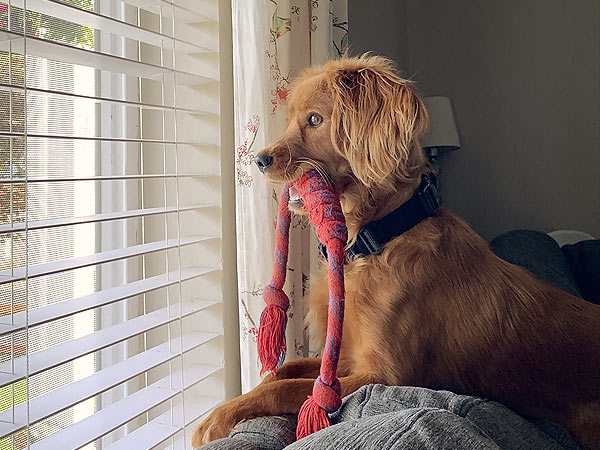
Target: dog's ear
{"type": "Point", "coordinates": [376, 118]}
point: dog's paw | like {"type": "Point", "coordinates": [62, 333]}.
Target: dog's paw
{"type": "Point", "coordinates": [217, 425]}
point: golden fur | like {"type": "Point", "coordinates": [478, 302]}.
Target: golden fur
{"type": "Point", "coordinates": [436, 308]}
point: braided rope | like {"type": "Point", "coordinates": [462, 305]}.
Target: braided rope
{"type": "Point", "coordinates": [325, 214]}
{"type": "Point", "coordinates": [273, 320]}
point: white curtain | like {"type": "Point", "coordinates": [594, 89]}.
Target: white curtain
{"type": "Point", "coordinates": [273, 40]}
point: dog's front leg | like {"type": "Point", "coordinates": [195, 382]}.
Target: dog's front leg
{"type": "Point", "coordinates": [267, 399]}
{"type": "Point", "coordinates": [299, 368]}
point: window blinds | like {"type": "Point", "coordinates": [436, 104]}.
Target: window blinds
{"type": "Point", "coordinates": [111, 310]}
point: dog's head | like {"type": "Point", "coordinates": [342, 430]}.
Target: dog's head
{"type": "Point", "coordinates": [354, 120]}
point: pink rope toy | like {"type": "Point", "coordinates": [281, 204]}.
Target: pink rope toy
{"type": "Point", "coordinates": [325, 213]}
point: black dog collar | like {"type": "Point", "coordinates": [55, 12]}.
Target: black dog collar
{"type": "Point", "coordinates": [372, 237]}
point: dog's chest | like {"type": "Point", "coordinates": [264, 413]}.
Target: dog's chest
{"type": "Point", "coordinates": [369, 295]}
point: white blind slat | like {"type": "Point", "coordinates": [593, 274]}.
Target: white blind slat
{"type": "Point", "coordinates": [73, 349]}
{"type": "Point", "coordinates": [166, 425]}
{"type": "Point", "coordinates": [57, 51]}
{"type": "Point", "coordinates": [108, 24]}
{"type": "Point", "coordinates": [117, 101]}
{"type": "Point", "coordinates": [64, 137]}
{"type": "Point", "coordinates": [117, 414]}
{"type": "Point", "coordinates": [54, 311]}
{"type": "Point", "coordinates": [7, 328]}
{"type": "Point", "coordinates": [200, 13]}
{"type": "Point", "coordinates": [17, 274]}
{"type": "Point", "coordinates": [65, 221]}
{"type": "Point", "coordinates": [62, 398]}
{"type": "Point", "coordinates": [144, 176]}
{"type": "Point", "coordinates": [8, 36]}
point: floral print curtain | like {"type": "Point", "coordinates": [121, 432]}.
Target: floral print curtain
{"type": "Point", "coordinates": [273, 41]}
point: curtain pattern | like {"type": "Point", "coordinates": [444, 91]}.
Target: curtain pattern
{"type": "Point", "coordinates": [273, 41]}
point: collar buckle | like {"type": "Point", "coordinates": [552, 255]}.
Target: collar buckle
{"type": "Point", "coordinates": [428, 196]}
{"type": "Point", "coordinates": [368, 242]}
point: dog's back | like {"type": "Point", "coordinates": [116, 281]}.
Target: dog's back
{"type": "Point", "coordinates": [514, 338]}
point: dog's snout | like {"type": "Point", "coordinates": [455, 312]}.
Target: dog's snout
{"type": "Point", "coordinates": [263, 160]}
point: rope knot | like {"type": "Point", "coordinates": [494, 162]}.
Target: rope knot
{"type": "Point", "coordinates": [275, 296]}
{"type": "Point", "coordinates": [323, 206]}
{"type": "Point", "coordinates": [313, 416]}
{"type": "Point", "coordinates": [328, 396]}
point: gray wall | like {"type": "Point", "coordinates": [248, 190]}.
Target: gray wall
{"type": "Point", "coordinates": [380, 26]}
{"type": "Point", "coordinates": [524, 80]}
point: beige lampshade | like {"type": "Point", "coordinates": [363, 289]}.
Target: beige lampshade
{"type": "Point", "coordinates": [442, 133]}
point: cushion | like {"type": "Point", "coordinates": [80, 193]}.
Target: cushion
{"type": "Point", "coordinates": [539, 254]}
{"type": "Point", "coordinates": [584, 259]}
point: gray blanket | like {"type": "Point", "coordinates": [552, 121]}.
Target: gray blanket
{"type": "Point", "coordinates": [381, 417]}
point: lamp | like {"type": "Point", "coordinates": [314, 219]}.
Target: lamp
{"type": "Point", "coordinates": [442, 135]}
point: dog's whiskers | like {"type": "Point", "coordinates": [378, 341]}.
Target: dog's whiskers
{"type": "Point", "coordinates": [318, 167]}
{"type": "Point", "coordinates": [290, 158]}
{"type": "Point", "coordinates": [294, 175]}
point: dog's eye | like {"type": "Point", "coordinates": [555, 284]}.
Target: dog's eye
{"type": "Point", "coordinates": [314, 120]}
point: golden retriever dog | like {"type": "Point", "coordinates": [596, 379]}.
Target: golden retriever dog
{"type": "Point", "coordinates": [435, 308]}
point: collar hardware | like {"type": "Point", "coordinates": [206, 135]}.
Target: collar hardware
{"type": "Point", "coordinates": [371, 238]}
{"type": "Point", "coordinates": [428, 195]}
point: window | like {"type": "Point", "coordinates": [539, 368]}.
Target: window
{"type": "Point", "coordinates": [113, 257]}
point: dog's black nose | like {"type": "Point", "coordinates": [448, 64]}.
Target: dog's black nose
{"type": "Point", "coordinates": [263, 160]}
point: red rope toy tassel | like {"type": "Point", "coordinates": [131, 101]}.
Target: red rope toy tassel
{"type": "Point", "coordinates": [325, 213]}
{"type": "Point", "coordinates": [273, 320]}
